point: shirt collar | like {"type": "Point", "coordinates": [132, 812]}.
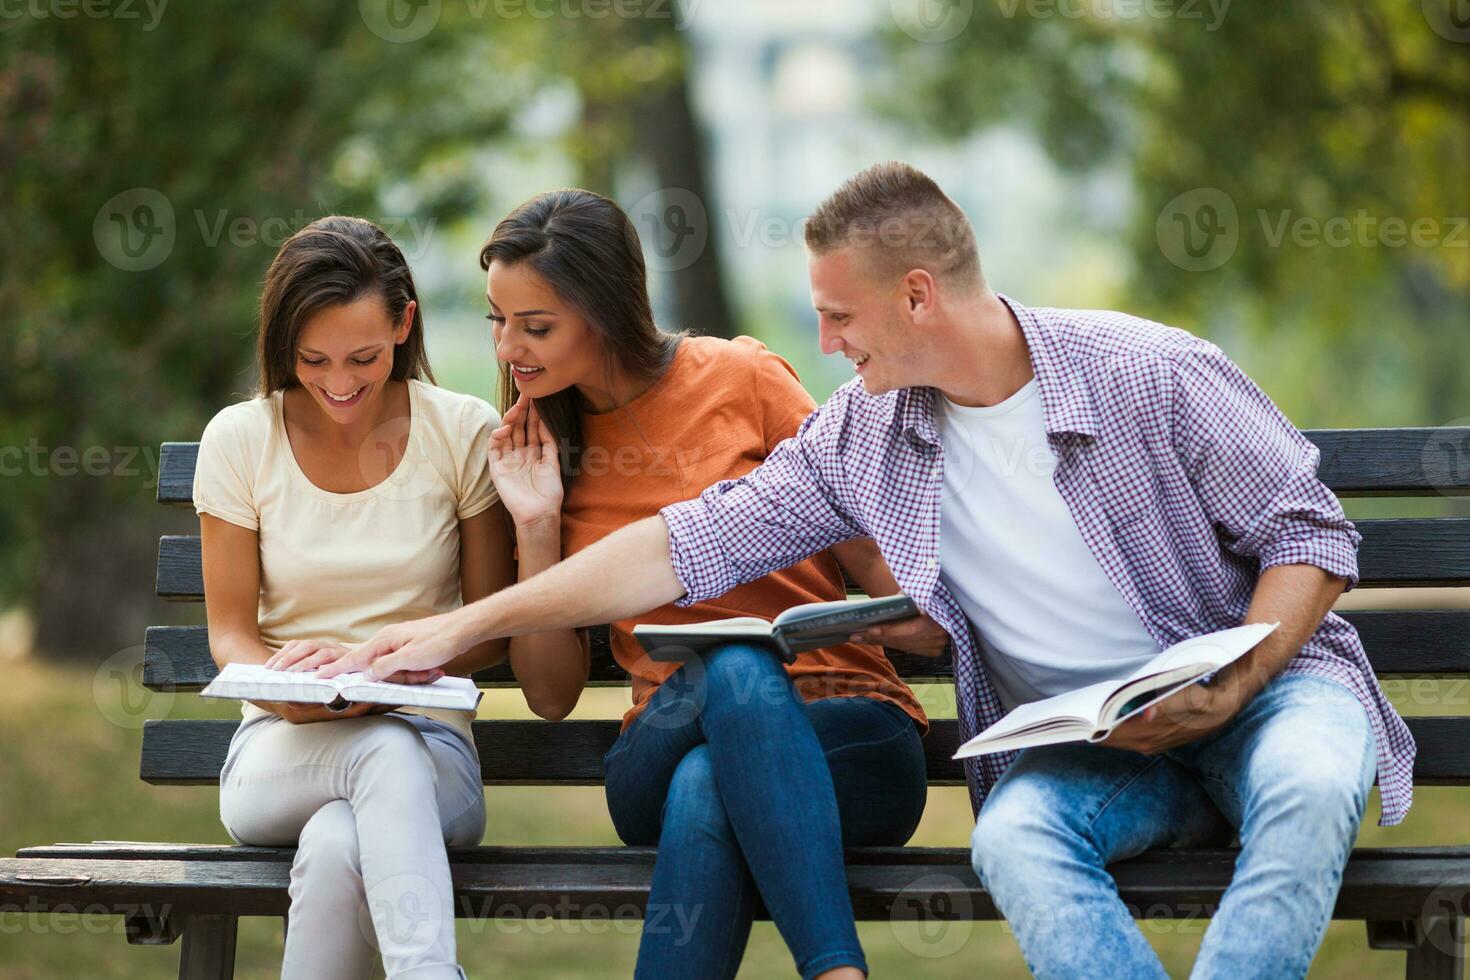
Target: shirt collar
{"type": "Point", "coordinates": [1066, 402]}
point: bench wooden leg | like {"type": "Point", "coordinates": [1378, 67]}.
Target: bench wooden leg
{"type": "Point", "coordinates": [209, 947]}
{"type": "Point", "coordinates": [1439, 952]}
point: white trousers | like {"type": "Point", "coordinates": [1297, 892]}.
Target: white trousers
{"type": "Point", "coordinates": [370, 804]}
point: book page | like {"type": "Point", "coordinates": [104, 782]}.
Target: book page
{"type": "Point", "coordinates": [735, 626]}
{"type": "Point", "coordinates": [1078, 710]}
{"type": "Point", "coordinates": [257, 682]}
{"type": "Point", "coordinates": [446, 692]}
{"type": "Point", "coordinates": [1184, 663]}
{"type": "Point", "coordinates": [1211, 650]}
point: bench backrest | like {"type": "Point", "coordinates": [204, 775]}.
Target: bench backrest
{"type": "Point", "coordinates": [1395, 553]}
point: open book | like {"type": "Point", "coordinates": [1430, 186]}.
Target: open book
{"type": "Point", "coordinates": [1091, 713]}
{"type": "Point", "coordinates": [797, 630]}
{"type": "Point", "coordinates": [253, 682]}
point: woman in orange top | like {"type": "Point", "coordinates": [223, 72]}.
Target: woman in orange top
{"type": "Point", "coordinates": [750, 779]}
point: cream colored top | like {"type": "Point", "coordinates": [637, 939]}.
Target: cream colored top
{"type": "Point", "coordinates": [340, 566]}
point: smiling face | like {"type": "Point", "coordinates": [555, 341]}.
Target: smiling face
{"type": "Point", "coordinates": [548, 346]}
{"type": "Point", "coordinates": [344, 356]}
{"type": "Point", "coordinates": [862, 316]}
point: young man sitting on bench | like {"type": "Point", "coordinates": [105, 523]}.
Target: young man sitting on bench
{"type": "Point", "coordinates": [1065, 493]}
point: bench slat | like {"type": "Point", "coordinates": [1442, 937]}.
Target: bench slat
{"type": "Point", "coordinates": [1396, 552]}
{"type": "Point", "coordinates": [541, 753]}
{"type": "Point", "coordinates": [1187, 884]}
{"type": "Point", "coordinates": [177, 658]}
{"type": "Point", "coordinates": [1355, 463]}
{"type": "Point", "coordinates": [125, 850]}
{"type": "Point", "coordinates": [1400, 643]}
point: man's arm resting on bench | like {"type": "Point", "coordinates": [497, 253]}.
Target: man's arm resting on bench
{"type": "Point", "coordinates": [626, 573]}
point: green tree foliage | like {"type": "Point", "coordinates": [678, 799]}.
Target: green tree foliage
{"type": "Point", "coordinates": [242, 122]}
{"type": "Point", "coordinates": [1330, 129]}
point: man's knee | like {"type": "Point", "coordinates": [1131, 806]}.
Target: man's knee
{"type": "Point", "coordinates": [1315, 768]}
{"type": "Point", "coordinates": [1326, 804]}
{"type": "Point", "coordinates": [1010, 835]}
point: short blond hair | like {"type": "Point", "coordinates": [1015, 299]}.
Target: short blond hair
{"type": "Point", "coordinates": [904, 219]}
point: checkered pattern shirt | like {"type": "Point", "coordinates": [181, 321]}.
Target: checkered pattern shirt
{"type": "Point", "coordinates": [1185, 481]}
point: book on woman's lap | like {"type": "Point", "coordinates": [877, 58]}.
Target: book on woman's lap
{"type": "Point", "coordinates": [255, 682]}
{"type": "Point", "coordinates": [1091, 713]}
{"type": "Point", "coordinates": [801, 628]}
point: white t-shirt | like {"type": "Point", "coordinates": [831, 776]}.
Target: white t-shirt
{"type": "Point", "coordinates": [1047, 617]}
{"type": "Point", "coordinates": [340, 566]}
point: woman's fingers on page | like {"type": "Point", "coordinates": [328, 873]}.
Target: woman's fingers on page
{"type": "Point", "coordinates": [415, 676]}
{"type": "Point", "coordinates": [321, 657]}
{"type": "Point", "coordinates": [356, 659]}
{"type": "Point", "coordinates": [290, 654]}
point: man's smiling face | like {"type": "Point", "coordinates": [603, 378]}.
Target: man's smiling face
{"type": "Point", "coordinates": [860, 315]}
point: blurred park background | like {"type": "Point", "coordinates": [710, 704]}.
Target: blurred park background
{"type": "Point", "coordinates": [1290, 179]}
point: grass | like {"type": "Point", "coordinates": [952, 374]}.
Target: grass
{"type": "Point", "coordinates": [69, 773]}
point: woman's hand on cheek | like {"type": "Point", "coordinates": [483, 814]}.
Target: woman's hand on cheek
{"type": "Point", "coordinates": [525, 466]}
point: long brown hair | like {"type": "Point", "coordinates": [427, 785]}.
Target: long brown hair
{"type": "Point", "coordinates": [332, 261]}
{"type": "Point", "coordinates": [588, 252]}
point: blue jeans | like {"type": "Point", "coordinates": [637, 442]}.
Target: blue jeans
{"type": "Point", "coordinates": [1291, 773]}
{"type": "Point", "coordinates": [750, 793]}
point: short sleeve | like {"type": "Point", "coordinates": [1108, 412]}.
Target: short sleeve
{"type": "Point", "coordinates": [475, 490]}
{"type": "Point", "coordinates": [224, 476]}
{"type": "Point", "coordinates": [782, 403]}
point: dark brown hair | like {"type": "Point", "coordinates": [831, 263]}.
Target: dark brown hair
{"type": "Point", "coordinates": [588, 252]}
{"type": "Point", "coordinates": [333, 261]}
{"type": "Point", "coordinates": [903, 220]}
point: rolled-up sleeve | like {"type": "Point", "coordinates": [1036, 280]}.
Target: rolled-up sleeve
{"type": "Point", "coordinates": [1254, 473]}
{"type": "Point", "coordinates": [780, 513]}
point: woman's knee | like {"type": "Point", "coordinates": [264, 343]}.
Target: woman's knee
{"type": "Point", "coordinates": [744, 669]}
{"type": "Point", "coordinates": [327, 852]}
{"type": "Point", "coordinates": [694, 806]}
{"type": "Point", "coordinates": [391, 752]}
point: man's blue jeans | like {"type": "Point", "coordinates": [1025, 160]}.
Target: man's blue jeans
{"type": "Point", "coordinates": [750, 793]}
{"type": "Point", "coordinates": [1291, 773]}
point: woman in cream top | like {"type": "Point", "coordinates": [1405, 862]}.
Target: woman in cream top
{"type": "Point", "coordinates": [340, 566]}
{"type": "Point", "coordinates": [349, 494]}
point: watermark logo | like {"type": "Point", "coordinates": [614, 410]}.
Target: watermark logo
{"type": "Point", "coordinates": [1199, 230]}
{"type": "Point", "coordinates": [135, 230]}
{"type": "Point", "coordinates": [674, 227]}
{"type": "Point", "coordinates": [152, 10]}
{"type": "Point", "coordinates": [1450, 19]}
{"type": "Point", "coordinates": [1445, 457]}
{"type": "Point", "coordinates": [402, 915]}
{"type": "Point", "coordinates": [1211, 13]}
{"type": "Point", "coordinates": [1445, 912]}
{"type": "Point", "coordinates": [933, 916]}
{"type": "Point", "coordinates": [118, 691]}
{"type": "Point", "coordinates": [400, 21]}
{"type": "Point", "coordinates": [932, 21]}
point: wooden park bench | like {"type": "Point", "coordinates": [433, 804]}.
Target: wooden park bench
{"type": "Point", "coordinates": [1412, 899]}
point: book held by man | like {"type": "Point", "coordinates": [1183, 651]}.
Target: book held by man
{"type": "Point", "coordinates": [254, 682]}
{"type": "Point", "coordinates": [1091, 713]}
{"type": "Point", "coordinates": [797, 630]}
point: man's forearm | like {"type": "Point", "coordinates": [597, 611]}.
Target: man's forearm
{"type": "Point", "coordinates": [1297, 596]}
{"type": "Point", "coordinates": [627, 573]}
